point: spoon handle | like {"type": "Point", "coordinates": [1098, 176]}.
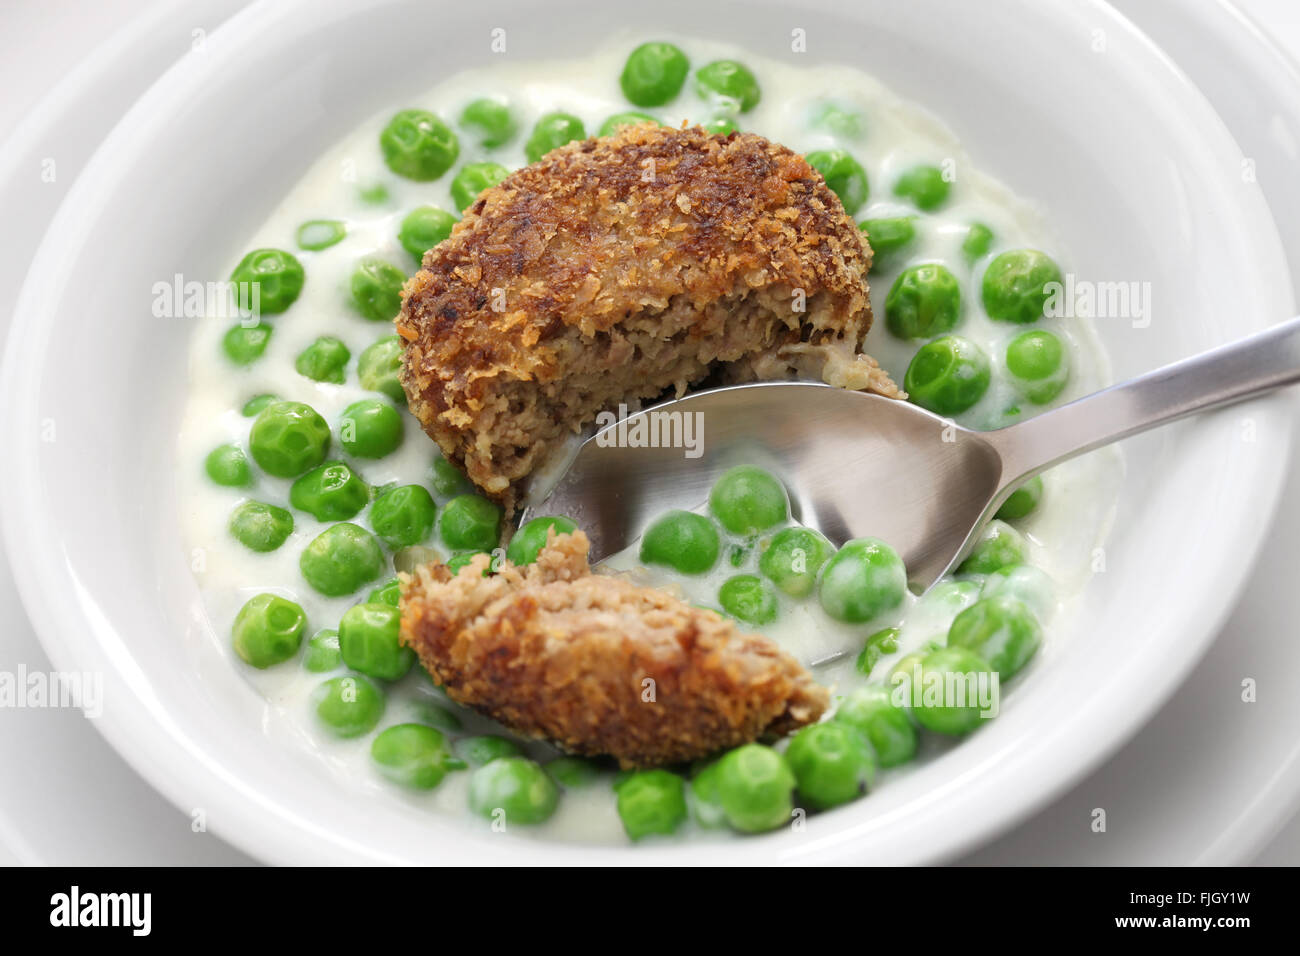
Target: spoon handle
{"type": "Point", "coordinates": [1231, 373]}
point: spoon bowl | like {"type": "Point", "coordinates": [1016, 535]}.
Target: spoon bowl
{"type": "Point", "coordinates": [855, 464]}
{"type": "Point", "coordinates": [860, 465]}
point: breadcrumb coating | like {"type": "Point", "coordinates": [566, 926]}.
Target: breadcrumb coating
{"type": "Point", "coordinates": [597, 664]}
{"type": "Point", "coordinates": [618, 269]}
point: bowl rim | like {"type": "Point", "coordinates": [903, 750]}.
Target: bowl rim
{"type": "Point", "coordinates": [55, 618]}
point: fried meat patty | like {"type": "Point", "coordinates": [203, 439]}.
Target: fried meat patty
{"type": "Point", "coordinates": [616, 269]}
{"type": "Point", "coordinates": [597, 664]}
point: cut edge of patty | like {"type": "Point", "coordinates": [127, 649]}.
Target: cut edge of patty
{"type": "Point", "coordinates": [636, 362]}
{"type": "Point", "coordinates": [555, 651]}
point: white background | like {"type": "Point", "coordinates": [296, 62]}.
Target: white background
{"type": "Point", "coordinates": [40, 41]}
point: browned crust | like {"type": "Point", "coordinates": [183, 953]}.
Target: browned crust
{"type": "Point", "coordinates": [653, 221]}
{"type": "Point", "coordinates": [600, 665]}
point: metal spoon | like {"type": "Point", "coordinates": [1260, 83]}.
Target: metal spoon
{"type": "Point", "coordinates": [858, 464]}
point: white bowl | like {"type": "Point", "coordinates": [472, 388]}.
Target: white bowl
{"type": "Point", "coordinates": [1068, 104]}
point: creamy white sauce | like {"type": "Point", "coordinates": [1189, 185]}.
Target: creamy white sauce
{"type": "Point", "coordinates": [1071, 522]}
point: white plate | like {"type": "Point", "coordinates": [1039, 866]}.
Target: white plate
{"type": "Point", "coordinates": [1017, 801]}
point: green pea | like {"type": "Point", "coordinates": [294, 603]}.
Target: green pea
{"type": "Point", "coordinates": [619, 120]}
{"type": "Point", "coordinates": [947, 599]}
{"type": "Point", "coordinates": [330, 492]}
{"type": "Point", "coordinates": [423, 228]}
{"type": "Point", "coordinates": [253, 407]}
{"type": "Point", "coordinates": [832, 764]}
{"type": "Point", "coordinates": [653, 74]}
{"type": "Point", "coordinates": [458, 561]}
{"type": "Point", "coordinates": [442, 718]}
{"type": "Point", "coordinates": [417, 145]}
{"type": "Point", "coordinates": [260, 527]}
{"type": "Point", "coordinates": [720, 126]}
{"type": "Point", "coordinates": [375, 194]}
{"type": "Point", "coordinates": [389, 593]}
{"type": "Point", "coordinates": [473, 179]}
{"type": "Point", "coordinates": [904, 673]}
{"type": "Point", "coordinates": [411, 755]}
{"type": "Point", "coordinates": [322, 652]}
{"type": "Point", "coordinates": [835, 119]}
{"type": "Point", "coordinates": [1037, 365]}
{"type": "Point", "coordinates": [947, 689]}
{"type": "Point", "coordinates": [749, 598]}
{"type": "Point", "coordinates": [844, 175]}
{"type": "Point", "coordinates": [1023, 500]}
{"type": "Point", "coordinates": [873, 711]}
{"type": "Point", "coordinates": [320, 234]}
{"type": "Point", "coordinates": [705, 803]}
{"type": "Point", "coordinates": [470, 523]}
{"type": "Point", "coordinates": [226, 465]}
{"type": "Point", "coordinates": [1018, 285]}
{"type": "Point", "coordinates": [793, 558]}
{"type": "Point", "coordinates": [244, 344]}
{"type": "Point", "coordinates": [924, 301]}
{"type": "Point", "coordinates": [978, 241]}
{"type": "Point", "coordinates": [882, 642]}
{"type": "Point", "coordinates": [998, 546]}
{"type": "Point", "coordinates": [370, 428]}
{"type": "Point", "coordinates": [513, 788]}
{"type": "Point", "coordinates": [403, 517]}
{"type": "Point", "coordinates": [369, 640]}
{"type": "Point", "coordinates": [268, 630]}
{"type": "Point", "coordinates": [948, 375]}
{"type": "Point", "coordinates": [348, 706]}
{"type": "Point", "coordinates": [341, 559]}
{"type": "Point", "coordinates": [490, 120]}
{"type": "Point", "coordinates": [288, 438]}
{"type": "Point", "coordinates": [482, 750]}
{"type": "Point", "coordinates": [755, 788]}
{"type": "Point", "coordinates": [729, 84]}
{"type": "Point", "coordinates": [571, 773]}
{"type": "Point", "coordinates": [531, 538]}
{"type": "Point", "coordinates": [925, 186]}
{"type": "Point", "coordinates": [652, 802]}
{"type": "Point", "coordinates": [889, 236]}
{"type": "Point", "coordinates": [324, 360]}
{"type": "Point", "coordinates": [1025, 583]}
{"type": "Point", "coordinates": [376, 288]}
{"type": "Point", "coordinates": [448, 480]}
{"type": "Point", "coordinates": [379, 367]}
{"type": "Point", "coordinates": [277, 277]}
{"type": "Point", "coordinates": [682, 540]}
{"type": "Point", "coordinates": [747, 500]}
{"type": "Point", "coordinates": [1001, 630]}
{"type": "Point", "coordinates": [863, 580]}
{"type": "Point", "coordinates": [551, 132]}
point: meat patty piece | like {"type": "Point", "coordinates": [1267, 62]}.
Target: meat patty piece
{"type": "Point", "coordinates": [615, 269]}
{"type": "Point", "coordinates": [598, 664]}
